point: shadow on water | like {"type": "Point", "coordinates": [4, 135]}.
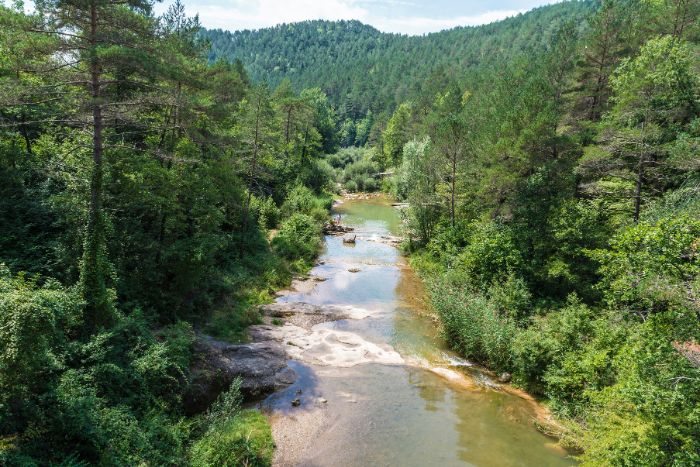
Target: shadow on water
{"type": "Point", "coordinates": [305, 388]}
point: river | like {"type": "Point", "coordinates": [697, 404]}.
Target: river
{"type": "Point", "coordinates": [417, 404]}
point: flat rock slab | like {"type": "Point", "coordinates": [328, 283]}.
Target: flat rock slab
{"type": "Point", "coordinates": [305, 315]}
{"type": "Point", "coordinates": [262, 367]}
{"type": "Point", "coordinates": [387, 240]}
{"type": "Point", "coordinates": [326, 347]}
{"type": "Point", "coordinates": [336, 229]}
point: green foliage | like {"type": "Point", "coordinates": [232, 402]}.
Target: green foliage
{"type": "Point", "coordinates": [33, 323]}
{"type": "Point", "coordinates": [234, 436]}
{"type": "Point", "coordinates": [511, 297]}
{"type": "Point", "coordinates": [659, 81]}
{"type": "Point", "coordinates": [113, 399]}
{"type": "Point", "coordinates": [356, 169]}
{"type": "Point", "coordinates": [265, 212]}
{"type": "Point", "coordinates": [650, 416]}
{"type": "Point", "coordinates": [554, 206]}
{"type": "Point", "coordinates": [345, 157]}
{"type": "Point", "coordinates": [474, 326]}
{"type": "Point", "coordinates": [298, 237]}
{"type": "Point", "coordinates": [649, 266]}
{"type": "Point", "coordinates": [416, 183]}
{"type": "Point", "coordinates": [654, 101]}
{"type": "Point", "coordinates": [124, 242]}
{"type": "Point", "coordinates": [542, 350]}
{"type": "Point", "coordinates": [360, 176]}
{"type": "Point", "coordinates": [302, 200]}
{"type": "Point", "coordinates": [520, 148]}
{"type": "Point", "coordinates": [397, 135]}
{"type": "Point", "coordinates": [491, 254]}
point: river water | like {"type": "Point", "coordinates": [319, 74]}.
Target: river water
{"type": "Point", "coordinates": [428, 408]}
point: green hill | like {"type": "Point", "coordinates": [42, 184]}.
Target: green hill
{"type": "Point", "coordinates": [361, 68]}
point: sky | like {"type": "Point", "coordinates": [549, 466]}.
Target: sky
{"type": "Point", "coordinates": [401, 16]}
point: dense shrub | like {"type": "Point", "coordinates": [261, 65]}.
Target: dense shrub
{"type": "Point", "coordinates": [356, 169]}
{"type": "Point", "coordinates": [649, 265]}
{"type": "Point", "coordinates": [234, 437]}
{"type": "Point", "coordinates": [490, 255]}
{"type": "Point", "coordinates": [568, 355]}
{"type": "Point", "coordinates": [112, 399]}
{"type": "Point", "coordinates": [265, 211]}
{"type": "Point", "coordinates": [473, 325]}
{"type": "Point", "coordinates": [345, 156]}
{"type": "Point", "coordinates": [362, 173]}
{"type": "Point", "coordinates": [318, 176]}
{"type": "Point", "coordinates": [651, 415]}
{"type": "Point", "coordinates": [512, 298]}
{"type": "Point", "coordinates": [34, 322]}
{"type": "Point", "coordinates": [303, 201]}
{"type": "Point", "coordinates": [298, 237]}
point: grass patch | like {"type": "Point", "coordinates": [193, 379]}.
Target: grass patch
{"type": "Point", "coordinates": [245, 439]}
{"type": "Point", "coordinates": [233, 437]}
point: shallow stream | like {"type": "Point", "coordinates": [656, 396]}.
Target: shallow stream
{"type": "Point", "coordinates": [421, 405]}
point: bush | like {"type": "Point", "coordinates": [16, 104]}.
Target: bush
{"type": "Point", "coordinates": [112, 399]}
{"type": "Point", "coordinates": [33, 323]}
{"type": "Point", "coordinates": [362, 175]}
{"type": "Point", "coordinates": [265, 211]}
{"type": "Point", "coordinates": [234, 437]}
{"type": "Point", "coordinates": [346, 156]}
{"type": "Point", "coordinates": [319, 176]}
{"type": "Point", "coordinates": [579, 374]}
{"type": "Point", "coordinates": [491, 254]}
{"type": "Point", "coordinates": [546, 342]}
{"type": "Point", "coordinates": [512, 298]}
{"type": "Point", "coordinates": [650, 416]}
{"type": "Point", "coordinates": [648, 266]}
{"type": "Point", "coordinates": [303, 201]}
{"type": "Point", "coordinates": [356, 169]}
{"type": "Point", "coordinates": [298, 237]}
{"type": "Point", "coordinates": [245, 439]}
{"type": "Point", "coordinates": [473, 326]}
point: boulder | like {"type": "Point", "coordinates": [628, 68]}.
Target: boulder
{"type": "Point", "coordinates": [262, 367]}
{"type": "Point", "coordinates": [331, 228]}
{"type": "Point", "coordinates": [505, 378]}
{"type": "Point", "coordinates": [349, 238]}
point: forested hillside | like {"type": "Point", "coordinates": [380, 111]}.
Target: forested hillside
{"type": "Point", "coordinates": [554, 210]}
{"type": "Point", "coordinates": [362, 69]}
{"type": "Point", "coordinates": [138, 186]}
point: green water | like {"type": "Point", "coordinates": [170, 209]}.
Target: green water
{"type": "Point", "coordinates": [398, 415]}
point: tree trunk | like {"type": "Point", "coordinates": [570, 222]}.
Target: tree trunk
{"type": "Point", "coordinates": [253, 165]}
{"type": "Point", "coordinates": [453, 183]}
{"type": "Point", "coordinates": [640, 176]}
{"type": "Point", "coordinates": [638, 189]}
{"type": "Point", "coordinates": [92, 275]}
